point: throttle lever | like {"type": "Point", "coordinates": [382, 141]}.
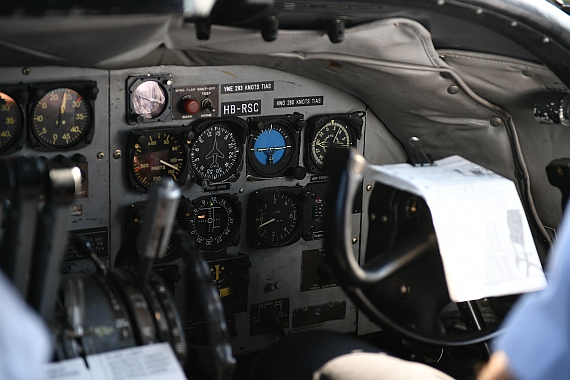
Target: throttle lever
{"type": "Point", "coordinates": [22, 181]}
{"type": "Point", "coordinates": [158, 219]}
{"type": "Point", "coordinates": [50, 239]}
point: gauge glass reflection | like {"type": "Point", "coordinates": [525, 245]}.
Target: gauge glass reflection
{"type": "Point", "coordinates": [149, 99]}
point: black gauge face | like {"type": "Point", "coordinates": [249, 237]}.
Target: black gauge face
{"type": "Point", "coordinates": [157, 155]}
{"type": "Point", "coordinates": [148, 99]}
{"type": "Point", "coordinates": [333, 133]}
{"type": "Point", "coordinates": [11, 122]}
{"type": "Point", "coordinates": [214, 222]}
{"type": "Point", "coordinates": [270, 150]}
{"type": "Point", "coordinates": [277, 218]}
{"type": "Point", "coordinates": [61, 118]}
{"type": "Point", "coordinates": [215, 154]}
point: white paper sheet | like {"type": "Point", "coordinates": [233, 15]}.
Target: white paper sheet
{"type": "Point", "coordinates": [152, 362]}
{"type": "Point", "coordinates": [484, 238]}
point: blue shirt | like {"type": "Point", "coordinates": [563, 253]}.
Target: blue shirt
{"type": "Point", "coordinates": [537, 340]}
{"type": "Point", "coordinates": [25, 343]}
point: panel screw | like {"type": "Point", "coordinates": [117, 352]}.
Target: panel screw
{"type": "Point", "coordinates": [368, 187]}
{"type": "Point", "coordinates": [101, 155]}
{"type": "Point", "coordinates": [497, 122]}
{"type": "Point", "coordinates": [405, 290]}
{"type": "Point", "coordinates": [26, 71]}
{"type": "Point", "coordinates": [354, 240]}
{"type": "Point", "coordinates": [117, 154]}
{"type": "Point", "coordinates": [453, 89]}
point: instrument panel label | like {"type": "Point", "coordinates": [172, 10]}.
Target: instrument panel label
{"type": "Point", "coordinates": [236, 88]}
{"type": "Point", "coordinates": [216, 187]}
{"type": "Point", "coordinates": [98, 237]}
{"type": "Point", "coordinates": [303, 101]}
{"type": "Point", "coordinates": [241, 108]}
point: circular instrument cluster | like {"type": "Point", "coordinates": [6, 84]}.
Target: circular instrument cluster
{"type": "Point", "coordinates": [53, 116]}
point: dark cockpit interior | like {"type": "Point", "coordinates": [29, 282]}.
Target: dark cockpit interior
{"type": "Point", "coordinates": [175, 171]}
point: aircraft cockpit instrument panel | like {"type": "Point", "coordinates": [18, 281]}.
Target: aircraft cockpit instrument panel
{"type": "Point", "coordinates": [246, 146]}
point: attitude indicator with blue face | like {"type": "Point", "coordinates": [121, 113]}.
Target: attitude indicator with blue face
{"type": "Point", "coordinates": [271, 149]}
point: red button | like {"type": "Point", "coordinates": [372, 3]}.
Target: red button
{"type": "Point", "coordinates": [190, 106]}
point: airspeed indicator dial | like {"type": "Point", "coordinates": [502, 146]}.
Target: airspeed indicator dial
{"type": "Point", "coordinates": [156, 155]}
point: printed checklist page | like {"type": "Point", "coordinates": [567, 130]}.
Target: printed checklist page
{"type": "Point", "coordinates": [483, 235]}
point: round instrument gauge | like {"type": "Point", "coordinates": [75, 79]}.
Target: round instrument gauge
{"type": "Point", "coordinates": [11, 122]}
{"type": "Point", "coordinates": [148, 99]}
{"type": "Point", "coordinates": [215, 154]}
{"type": "Point", "coordinates": [61, 119]}
{"type": "Point", "coordinates": [156, 155]}
{"type": "Point", "coordinates": [214, 222]}
{"type": "Point", "coordinates": [333, 133]}
{"type": "Point", "coordinates": [270, 150]}
{"type": "Point", "coordinates": [276, 218]}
